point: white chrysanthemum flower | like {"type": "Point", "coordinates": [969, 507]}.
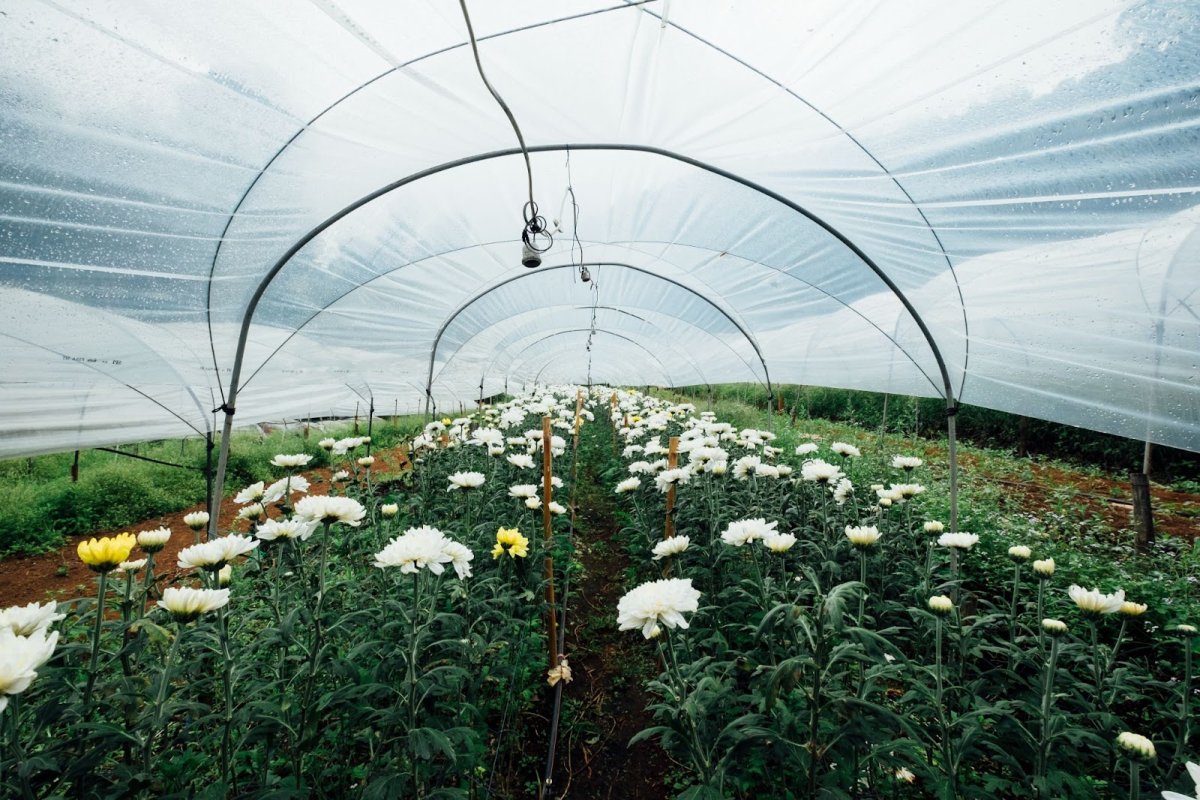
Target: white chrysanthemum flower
{"type": "Point", "coordinates": [779, 542]}
{"type": "Point", "coordinates": [746, 531]}
{"type": "Point", "coordinates": [225, 575]}
{"type": "Point", "coordinates": [1019, 552]}
{"type": "Point", "coordinates": [670, 477]}
{"type": "Point", "coordinates": [291, 461]}
{"type": "Point", "coordinates": [340, 476]}
{"type": "Point", "coordinates": [906, 491]}
{"type": "Point", "coordinates": [766, 471]}
{"type": "Point", "coordinates": [328, 510]}
{"type": "Point", "coordinates": [906, 462]}
{"type": "Point", "coordinates": [845, 450]}
{"type": "Point", "coordinates": [389, 509]}
{"type": "Point", "coordinates": [343, 446]}
{"type": "Point", "coordinates": [771, 452]}
{"type": "Point", "coordinates": [1044, 568]}
{"type": "Point", "coordinates": [490, 437]}
{"type": "Point", "coordinates": [959, 541]}
{"type": "Point", "coordinates": [807, 448]}
{"type": "Point", "coordinates": [28, 619]}
{"type": "Point", "coordinates": [533, 503]}
{"type": "Point", "coordinates": [465, 481]}
{"type": "Point", "coordinates": [782, 470]}
{"type": "Point", "coordinates": [131, 566]}
{"type": "Point", "coordinates": [366, 462]}
{"type": "Point", "coordinates": [327, 444]}
{"type": "Point", "coordinates": [746, 466]}
{"type": "Point", "coordinates": [296, 528]}
{"type": "Point", "coordinates": [671, 546]}
{"type": "Point", "coordinates": [862, 536]}
{"type": "Point", "coordinates": [1136, 746]}
{"type": "Point", "coordinates": [557, 508]}
{"type": "Point", "coordinates": [185, 604]}
{"type": "Point", "coordinates": [1194, 772]}
{"type": "Point", "coordinates": [1054, 627]}
{"type": "Point", "coordinates": [1095, 601]}
{"type": "Point", "coordinates": [717, 467]}
{"type": "Point", "coordinates": [274, 493]}
{"type": "Point", "coordinates": [20, 659]}
{"type": "Point", "coordinates": [521, 460]}
{"type": "Point", "coordinates": [628, 485]}
{"type": "Point", "coordinates": [415, 549]}
{"type": "Point", "coordinates": [213, 554]}
{"type": "Point", "coordinates": [523, 490]}
{"type": "Point", "coordinates": [460, 558]}
{"type": "Point", "coordinates": [641, 468]}
{"type": "Point", "coordinates": [251, 494]}
{"type": "Point", "coordinates": [517, 441]}
{"type": "Point", "coordinates": [661, 602]}
{"type": "Point", "coordinates": [495, 450]}
{"type": "Point", "coordinates": [155, 540]}
{"type": "Point", "coordinates": [556, 481]}
{"type": "Point", "coordinates": [1132, 609]}
{"type": "Point", "coordinates": [933, 526]}
{"type": "Point", "coordinates": [941, 604]}
{"type": "Point", "coordinates": [251, 511]}
{"type": "Point", "coordinates": [196, 520]}
{"type": "Point", "coordinates": [842, 492]}
{"type": "Point", "coordinates": [818, 471]}
{"type": "Point", "coordinates": [631, 450]}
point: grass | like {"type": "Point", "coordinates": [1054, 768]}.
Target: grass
{"type": "Point", "coordinates": [40, 505]}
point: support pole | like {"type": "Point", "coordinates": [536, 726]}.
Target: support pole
{"type": "Point", "coordinates": [218, 483]}
{"type": "Point", "coordinates": [370, 424]}
{"type": "Point", "coordinates": [672, 462]}
{"type": "Point", "coordinates": [952, 448]}
{"type": "Point", "coordinates": [1143, 511]}
{"type": "Point", "coordinates": [75, 468]}
{"type": "Point", "coordinates": [548, 538]}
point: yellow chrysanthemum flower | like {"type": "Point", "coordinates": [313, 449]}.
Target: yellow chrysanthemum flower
{"type": "Point", "coordinates": [510, 541]}
{"type": "Point", "coordinates": [106, 554]}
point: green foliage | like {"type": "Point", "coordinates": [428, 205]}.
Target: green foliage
{"type": "Point", "coordinates": [39, 504]}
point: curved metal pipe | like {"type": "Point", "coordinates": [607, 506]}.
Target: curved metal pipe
{"type": "Point", "coordinates": [532, 273]}
{"type": "Point", "coordinates": [661, 365]}
{"type": "Point", "coordinates": [229, 406]}
{"type": "Point", "coordinates": [677, 352]}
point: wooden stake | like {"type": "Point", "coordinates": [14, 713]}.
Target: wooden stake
{"type": "Point", "coordinates": [672, 461]}
{"type": "Point", "coordinates": [548, 533]}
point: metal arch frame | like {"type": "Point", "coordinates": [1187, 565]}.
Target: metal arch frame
{"type": "Point", "coordinates": [625, 4]}
{"type": "Point", "coordinates": [662, 18]}
{"type": "Point", "coordinates": [542, 336]}
{"type": "Point", "coordinates": [634, 342]}
{"type": "Point", "coordinates": [437, 340]}
{"type": "Point", "coordinates": [229, 404]}
{"type": "Point", "coordinates": [628, 245]}
{"type": "Point", "coordinates": [496, 357]}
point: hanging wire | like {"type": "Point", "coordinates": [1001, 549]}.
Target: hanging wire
{"type": "Point", "coordinates": [535, 224]}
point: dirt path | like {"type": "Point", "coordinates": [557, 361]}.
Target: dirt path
{"type": "Point", "coordinates": [60, 575]}
{"type": "Point", "coordinates": [604, 707]}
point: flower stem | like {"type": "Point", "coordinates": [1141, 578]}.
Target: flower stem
{"type": "Point", "coordinates": [227, 719]}
{"type": "Point", "coordinates": [1043, 757]}
{"type": "Point", "coordinates": [93, 663]}
{"type": "Point", "coordinates": [160, 724]}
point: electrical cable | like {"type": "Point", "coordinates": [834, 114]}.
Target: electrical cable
{"type": "Point", "coordinates": [535, 224]}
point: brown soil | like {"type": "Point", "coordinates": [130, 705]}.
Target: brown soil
{"type": "Point", "coordinates": [609, 668]}
{"type": "Point", "coordinates": [1110, 498]}
{"type": "Point", "coordinates": [60, 575]}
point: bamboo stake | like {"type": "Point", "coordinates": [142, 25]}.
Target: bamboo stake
{"type": "Point", "coordinates": [548, 533]}
{"type": "Point", "coordinates": [612, 402]}
{"type": "Point", "coordinates": [672, 461]}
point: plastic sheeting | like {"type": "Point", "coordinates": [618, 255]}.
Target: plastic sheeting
{"type": "Point", "coordinates": [1024, 175]}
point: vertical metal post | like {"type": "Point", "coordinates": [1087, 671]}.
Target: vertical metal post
{"type": "Point", "coordinates": [952, 448]}
{"type": "Point", "coordinates": [370, 424]}
{"type": "Point", "coordinates": [75, 468]}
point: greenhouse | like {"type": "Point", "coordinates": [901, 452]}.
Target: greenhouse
{"type": "Point", "coordinates": [441, 303]}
